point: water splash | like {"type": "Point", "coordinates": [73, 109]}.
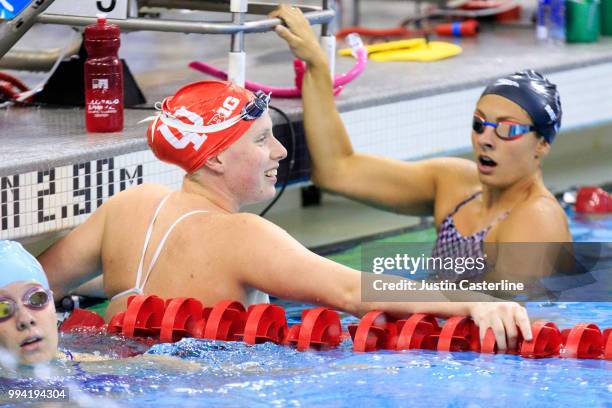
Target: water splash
{"type": "Point", "coordinates": [44, 375]}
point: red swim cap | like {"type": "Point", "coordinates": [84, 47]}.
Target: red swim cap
{"type": "Point", "coordinates": [200, 121]}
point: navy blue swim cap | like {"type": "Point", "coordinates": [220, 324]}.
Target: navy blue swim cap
{"type": "Point", "coordinates": [536, 95]}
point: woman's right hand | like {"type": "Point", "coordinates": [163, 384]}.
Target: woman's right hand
{"type": "Point", "coordinates": [503, 318]}
{"type": "Point", "coordinates": [299, 35]}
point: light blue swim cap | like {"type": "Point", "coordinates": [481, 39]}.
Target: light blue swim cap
{"type": "Point", "coordinates": [17, 264]}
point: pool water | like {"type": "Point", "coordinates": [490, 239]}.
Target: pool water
{"type": "Point", "coordinates": [198, 373]}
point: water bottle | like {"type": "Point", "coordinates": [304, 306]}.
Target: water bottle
{"type": "Point", "coordinates": [557, 21]}
{"type": "Point", "coordinates": [542, 19]}
{"type": "Point", "coordinates": [103, 78]}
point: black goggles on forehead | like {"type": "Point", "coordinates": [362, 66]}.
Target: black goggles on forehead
{"type": "Point", "coordinates": [256, 107]}
{"type": "Point", "coordinates": [35, 298]}
{"type": "Point", "coordinates": [251, 111]}
{"type": "Point", "coordinates": [505, 130]}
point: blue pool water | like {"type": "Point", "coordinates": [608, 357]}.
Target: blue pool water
{"type": "Point", "coordinates": [219, 374]}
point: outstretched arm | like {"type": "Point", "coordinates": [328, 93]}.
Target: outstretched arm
{"type": "Point", "coordinates": [269, 259]}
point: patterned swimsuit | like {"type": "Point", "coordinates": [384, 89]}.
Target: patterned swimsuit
{"type": "Point", "coordinates": [451, 244]}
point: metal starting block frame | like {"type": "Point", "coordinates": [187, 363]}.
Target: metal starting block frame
{"type": "Point", "coordinates": [12, 30]}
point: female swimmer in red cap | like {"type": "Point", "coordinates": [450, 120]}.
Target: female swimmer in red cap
{"type": "Point", "coordinates": [499, 199]}
{"type": "Point", "coordinates": [195, 242]}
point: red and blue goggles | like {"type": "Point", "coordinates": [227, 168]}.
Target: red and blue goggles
{"type": "Point", "coordinates": [505, 130]}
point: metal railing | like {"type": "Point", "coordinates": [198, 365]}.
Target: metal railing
{"type": "Point", "coordinates": [12, 30]}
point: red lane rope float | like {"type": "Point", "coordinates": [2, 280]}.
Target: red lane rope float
{"type": "Point", "coordinates": [264, 323]}
{"type": "Point", "coordinates": [607, 336]}
{"type": "Point", "coordinates": [593, 200]}
{"type": "Point", "coordinates": [375, 331]}
{"type": "Point", "coordinates": [489, 344]}
{"type": "Point", "coordinates": [546, 341]}
{"type": "Point", "coordinates": [82, 319]}
{"type": "Point", "coordinates": [459, 333]}
{"type": "Point", "coordinates": [197, 330]}
{"type": "Point", "coordinates": [320, 329]}
{"type": "Point", "coordinates": [180, 319]}
{"type": "Point", "coordinates": [584, 340]}
{"type": "Point", "coordinates": [420, 331]}
{"type": "Point", "coordinates": [142, 318]}
{"type": "Point", "coordinates": [150, 316]}
{"type": "Point", "coordinates": [143, 315]}
{"type": "Point", "coordinates": [115, 325]}
{"type": "Point", "coordinates": [226, 321]}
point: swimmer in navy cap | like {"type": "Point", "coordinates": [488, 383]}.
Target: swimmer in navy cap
{"type": "Point", "coordinates": [536, 96]}
{"type": "Point", "coordinates": [498, 197]}
{"type": "Point", "coordinates": [28, 323]}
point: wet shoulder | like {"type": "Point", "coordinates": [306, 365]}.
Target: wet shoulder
{"type": "Point", "coordinates": [143, 193]}
{"type": "Point", "coordinates": [235, 234]}
{"type": "Point", "coordinates": [239, 224]}
{"type": "Point", "coordinates": [241, 229]}
{"type": "Point", "coordinates": [538, 219]}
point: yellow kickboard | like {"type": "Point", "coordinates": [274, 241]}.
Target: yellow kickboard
{"type": "Point", "coordinates": [434, 51]}
{"type": "Point", "coordinates": [415, 49]}
{"type": "Point", "coordinates": [387, 46]}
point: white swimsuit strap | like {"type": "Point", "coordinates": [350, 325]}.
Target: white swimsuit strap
{"type": "Point", "coordinates": [136, 290]}
{"type": "Point", "coordinates": [147, 239]}
{"type": "Point", "coordinates": [141, 286]}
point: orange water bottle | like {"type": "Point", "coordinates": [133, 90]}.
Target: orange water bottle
{"type": "Point", "coordinates": [103, 78]}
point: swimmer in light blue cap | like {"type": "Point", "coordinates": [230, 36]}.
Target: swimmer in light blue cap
{"type": "Point", "coordinates": [28, 323]}
{"type": "Point", "coordinates": [17, 264]}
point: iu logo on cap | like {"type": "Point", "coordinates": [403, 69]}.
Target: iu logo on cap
{"type": "Point", "coordinates": [197, 140]}
{"type": "Point", "coordinates": [225, 111]}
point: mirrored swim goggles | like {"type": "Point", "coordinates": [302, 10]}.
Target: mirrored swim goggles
{"type": "Point", "coordinates": [251, 111]}
{"type": "Point", "coordinates": [505, 130]}
{"type": "Point", "coordinates": [35, 298]}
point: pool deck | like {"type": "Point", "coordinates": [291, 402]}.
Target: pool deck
{"type": "Point", "coordinates": [42, 145]}
{"type": "Point", "coordinates": [36, 139]}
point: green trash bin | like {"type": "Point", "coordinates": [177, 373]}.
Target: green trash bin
{"type": "Point", "coordinates": [582, 21]}
{"type": "Point", "coordinates": [606, 17]}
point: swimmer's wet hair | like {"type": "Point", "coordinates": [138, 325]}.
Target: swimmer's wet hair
{"type": "Point", "coordinates": [536, 95]}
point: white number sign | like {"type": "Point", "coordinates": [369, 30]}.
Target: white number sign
{"type": "Point", "coordinates": [116, 9]}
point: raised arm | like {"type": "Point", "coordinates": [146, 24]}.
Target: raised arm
{"type": "Point", "coordinates": [407, 187]}
{"type": "Point", "coordinates": [269, 259]}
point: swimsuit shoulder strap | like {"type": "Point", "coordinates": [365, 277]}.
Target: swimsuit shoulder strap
{"type": "Point", "coordinates": [140, 285]}
{"type": "Point", "coordinates": [148, 239]}
{"type": "Point", "coordinates": [135, 289]}
{"type": "Point", "coordinates": [497, 220]}
{"type": "Point", "coordinates": [464, 202]}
